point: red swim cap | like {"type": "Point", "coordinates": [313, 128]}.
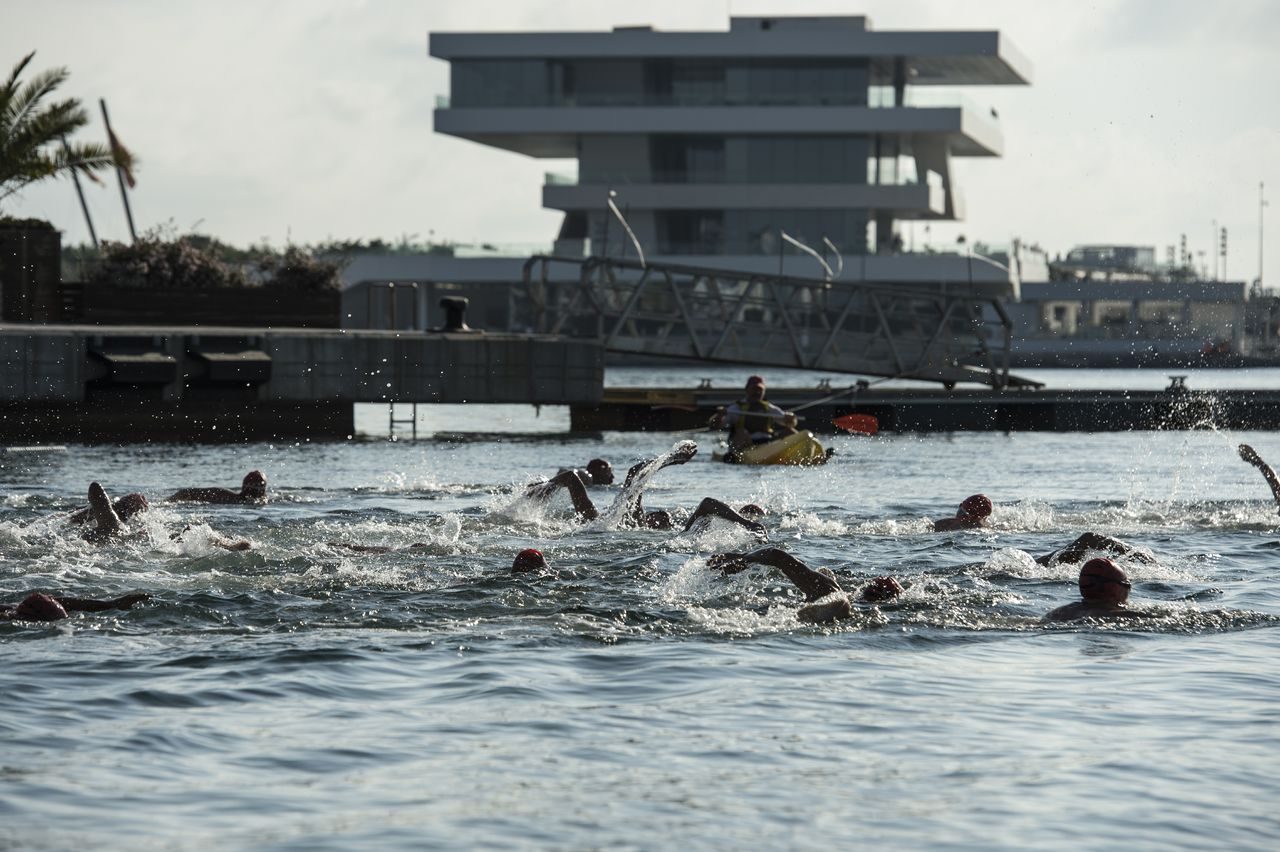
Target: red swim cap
{"type": "Point", "coordinates": [882, 589]}
{"type": "Point", "coordinates": [39, 607]}
{"type": "Point", "coordinates": [977, 506]}
{"type": "Point", "coordinates": [528, 560]}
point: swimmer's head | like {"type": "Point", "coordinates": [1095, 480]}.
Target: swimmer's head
{"type": "Point", "coordinates": [131, 504]}
{"type": "Point", "coordinates": [975, 508]}
{"type": "Point", "coordinates": [529, 561]}
{"type": "Point", "coordinates": [882, 589]}
{"type": "Point", "coordinates": [254, 484]}
{"type": "Point", "coordinates": [752, 512]}
{"type": "Point", "coordinates": [658, 519]}
{"type": "Point", "coordinates": [1102, 581]}
{"type": "Point", "coordinates": [601, 472]}
{"type": "Point", "coordinates": [39, 607]}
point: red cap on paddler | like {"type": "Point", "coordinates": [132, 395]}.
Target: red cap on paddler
{"type": "Point", "coordinates": [755, 380]}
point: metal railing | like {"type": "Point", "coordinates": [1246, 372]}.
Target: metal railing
{"type": "Point", "coordinates": [933, 332]}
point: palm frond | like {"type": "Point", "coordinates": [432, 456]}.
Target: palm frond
{"type": "Point", "coordinates": [33, 133]}
{"type": "Point", "coordinates": [12, 83]}
{"type": "Point", "coordinates": [28, 98]}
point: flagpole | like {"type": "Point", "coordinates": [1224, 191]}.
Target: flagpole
{"type": "Point", "coordinates": [80, 192]}
{"type": "Point", "coordinates": [124, 196]}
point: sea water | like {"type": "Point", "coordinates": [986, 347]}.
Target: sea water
{"type": "Point", "coordinates": [302, 695]}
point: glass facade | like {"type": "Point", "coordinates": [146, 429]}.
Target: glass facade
{"type": "Point", "coordinates": [658, 82]}
{"type": "Point", "coordinates": [744, 160]}
{"type": "Point", "coordinates": [682, 232]}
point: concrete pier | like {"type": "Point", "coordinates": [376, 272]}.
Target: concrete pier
{"type": "Point", "coordinates": [212, 384]}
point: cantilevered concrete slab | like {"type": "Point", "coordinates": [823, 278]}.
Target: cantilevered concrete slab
{"type": "Point", "coordinates": [982, 58]}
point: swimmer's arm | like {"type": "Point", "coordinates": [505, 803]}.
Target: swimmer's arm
{"type": "Point", "coordinates": [91, 605]}
{"type": "Point", "coordinates": [813, 583]}
{"type": "Point", "coordinates": [204, 495]}
{"type": "Point", "coordinates": [569, 481]}
{"type": "Point", "coordinates": [1251, 456]}
{"type": "Point", "coordinates": [715, 508]}
{"type": "Point", "coordinates": [361, 548]}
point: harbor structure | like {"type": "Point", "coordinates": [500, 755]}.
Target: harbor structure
{"type": "Point", "coordinates": [1116, 306]}
{"type": "Point", "coordinates": [790, 147]}
{"type": "Point", "coordinates": [717, 143]}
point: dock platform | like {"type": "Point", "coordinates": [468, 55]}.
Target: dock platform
{"type": "Point", "coordinates": [959, 410]}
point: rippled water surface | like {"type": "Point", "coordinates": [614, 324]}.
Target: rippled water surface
{"type": "Point", "coordinates": [301, 695]}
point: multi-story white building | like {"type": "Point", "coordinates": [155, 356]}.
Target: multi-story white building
{"type": "Point", "coordinates": [716, 142]}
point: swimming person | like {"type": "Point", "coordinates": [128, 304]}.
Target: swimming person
{"type": "Point", "coordinates": [755, 420]}
{"type": "Point", "coordinates": [633, 512]}
{"type": "Point", "coordinates": [38, 606]}
{"type": "Point", "coordinates": [125, 507]}
{"type": "Point", "coordinates": [597, 472]}
{"type": "Point", "coordinates": [1251, 456]}
{"type": "Point", "coordinates": [106, 522]}
{"type": "Point", "coordinates": [530, 561]}
{"type": "Point", "coordinates": [1104, 591]}
{"type": "Point", "coordinates": [710, 507]}
{"type": "Point", "coordinates": [825, 600]}
{"type": "Point", "coordinates": [253, 489]}
{"type": "Point", "coordinates": [973, 512]}
{"type": "Point", "coordinates": [1092, 541]}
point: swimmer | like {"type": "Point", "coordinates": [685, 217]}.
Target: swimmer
{"type": "Point", "coordinates": [1076, 551]}
{"type": "Point", "coordinates": [746, 517]}
{"type": "Point", "coordinates": [597, 472]}
{"type": "Point", "coordinates": [973, 512]}
{"type": "Point", "coordinates": [107, 523]}
{"type": "Point", "coordinates": [253, 489]}
{"type": "Point", "coordinates": [1104, 590]}
{"type": "Point", "coordinates": [825, 601]}
{"type": "Point", "coordinates": [1251, 456]}
{"type": "Point", "coordinates": [530, 561]}
{"type": "Point", "coordinates": [125, 507]}
{"type": "Point", "coordinates": [635, 514]}
{"type": "Point", "coordinates": [41, 607]}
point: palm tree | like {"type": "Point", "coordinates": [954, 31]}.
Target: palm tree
{"type": "Point", "coordinates": [34, 136]}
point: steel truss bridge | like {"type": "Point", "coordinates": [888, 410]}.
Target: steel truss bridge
{"type": "Point", "coordinates": [936, 332]}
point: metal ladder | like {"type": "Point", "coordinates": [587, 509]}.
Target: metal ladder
{"type": "Point", "coordinates": [390, 287]}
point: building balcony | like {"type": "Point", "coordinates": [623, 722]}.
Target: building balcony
{"type": "Point", "coordinates": [907, 201]}
{"type": "Point", "coordinates": [554, 131]}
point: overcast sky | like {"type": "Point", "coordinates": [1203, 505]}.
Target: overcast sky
{"type": "Point", "coordinates": [305, 120]}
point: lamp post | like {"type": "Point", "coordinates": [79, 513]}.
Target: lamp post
{"type": "Point", "coordinates": [1262, 204]}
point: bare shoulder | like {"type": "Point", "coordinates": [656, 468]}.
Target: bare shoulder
{"type": "Point", "coordinates": [1070, 612]}
{"type": "Point", "coordinates": [833, 607]}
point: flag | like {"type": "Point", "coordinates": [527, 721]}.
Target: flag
{"type": "Point", "coordinates": [123, 159]}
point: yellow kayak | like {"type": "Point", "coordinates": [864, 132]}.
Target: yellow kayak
{"type": "Point", "coordinates": [801, 448]}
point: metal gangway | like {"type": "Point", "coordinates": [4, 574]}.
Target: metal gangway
{"type": "Point", "coordinates": [934, 332]}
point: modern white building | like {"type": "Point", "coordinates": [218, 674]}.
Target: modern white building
{"type": "Point", "coordinates": [717, 142]}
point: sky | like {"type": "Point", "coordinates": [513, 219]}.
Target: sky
{"type": "Point", "coordinates": [306, 120]}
